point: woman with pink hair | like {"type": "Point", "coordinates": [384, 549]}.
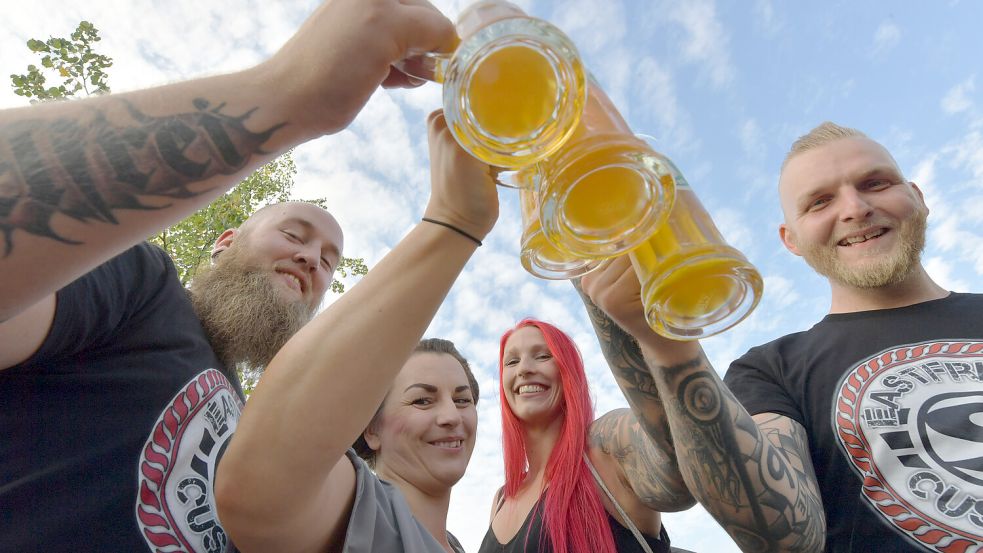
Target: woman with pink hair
{"type": "Point", "coordinates": [572, 483]}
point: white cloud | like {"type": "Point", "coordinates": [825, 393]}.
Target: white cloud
{"type": "Point", "coordinates": [765, 17]}
{"type": "Point", "coordinates": [596, 29]}
{"type": "Point", "coordinates": [654, 88]}
{"type": "Point", "coordinates": [957, 99]}
{"type": "Point", "coordinates": [595, 25]}
{"type": "Point", "coordinates": [733, 226]}
{"type": "Point", "coordinates": [751, 141]}
{"type": "Point", "coordinates": [887, 36]}
{"type": "Point", "coordinates": [707, 41]}
{"type": "Point", "coordinates": [941, 270]}
{"type": "Point", "coordinates": [967, 155]}
{"type": "Point", "coordinates": [425, 98]}
{"type": "Point", "coordinates": [782, 291]}
{"type": "Point", "coordinates": [950, 180]}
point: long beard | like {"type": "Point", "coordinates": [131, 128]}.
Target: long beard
{"type": "Point", "coordinates": [892, 268]}
{"type": "Point", "coordinates": [247, 320]}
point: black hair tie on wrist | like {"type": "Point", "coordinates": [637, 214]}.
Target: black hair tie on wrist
{"type": "Point", "coordinates": [455, 229]}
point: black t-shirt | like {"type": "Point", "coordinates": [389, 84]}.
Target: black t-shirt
{"type": "Point", "coordinates": [111, 431]}
{"type": "Point", "coordinates": [892, 401]}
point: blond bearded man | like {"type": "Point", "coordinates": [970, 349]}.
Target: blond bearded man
{"type": "Point", "coordinates": [862, 433]}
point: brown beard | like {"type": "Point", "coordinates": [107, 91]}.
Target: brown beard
{"type": "Point", "coordinates": [247, 320]}
{"type": "Point", "coordinates": [877, 273]}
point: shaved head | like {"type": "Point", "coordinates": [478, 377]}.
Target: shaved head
{"type": "Point", "coordinates": [266, 280]}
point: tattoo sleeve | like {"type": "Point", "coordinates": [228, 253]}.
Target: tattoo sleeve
{"type": "Point", "coordinates": [638, 439]}
{"type": "Point", "coordinates": [112, 158]}
{"type": "Point", "coordinates": [754, 475]}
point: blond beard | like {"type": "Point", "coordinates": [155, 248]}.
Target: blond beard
{"type": "Point", "coordinates": [247, 320]}
{"type": "Point", "coordinates": [891, 269]}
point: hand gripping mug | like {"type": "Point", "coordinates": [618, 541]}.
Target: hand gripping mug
{"type": "Point", "coordinates": [514, 89]}
{"type": "Point", "coordinates": [539, 257]}
{"type": "Point", "coordinates": [605, 191]}
{"type": "Point", "coordinates": [693, 284]}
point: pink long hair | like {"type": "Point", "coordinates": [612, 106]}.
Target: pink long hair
{"type": "Point", "coordinates": [573, 515]}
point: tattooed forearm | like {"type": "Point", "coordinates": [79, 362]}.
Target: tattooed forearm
{"type": "Point", "coordinates": [754, 477]}
{"type": "Point", "coordinates": [85, 168]}
{"type": "Point", "coordinates": [639, 439]}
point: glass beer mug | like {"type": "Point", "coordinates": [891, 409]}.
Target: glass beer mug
{"type": "Point", "coordinates": [605, 191]}
{"type": "Point", "coordinates": [514, 89]}
{"type": "Point", "coordinates": [539, 257]}
{"type": "Point", "coordinates": [693, 284]}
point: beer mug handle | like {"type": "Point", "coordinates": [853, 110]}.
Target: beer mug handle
{"type": "Point", "coordinates": [430, 66]}
{"type": "Point", "coordinates": [517, 179]}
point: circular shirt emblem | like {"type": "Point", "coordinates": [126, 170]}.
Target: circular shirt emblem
{"type": "Point", "coordinates": [176, 508]}
{"type": "Point", "coordinates": [910, 421]}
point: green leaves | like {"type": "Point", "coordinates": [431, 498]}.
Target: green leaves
{"type": "Point", "coordinates": [70, 61]}
{"type": "Point", "coordinates": [349, 266]}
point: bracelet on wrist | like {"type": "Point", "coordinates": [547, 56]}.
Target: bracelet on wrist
{"type": "Point", "coordinates": [455, 229]}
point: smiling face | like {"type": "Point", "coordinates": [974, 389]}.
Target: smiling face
{"type": "Point", "coordinates": [298, 244]}
{"type": "Point", "coordinates": [266, 282]}
{"type": "Point", "coordinates": [425, 432]}
{"type": "Point", "coordinates": [531, 377]}
{"type": "Point", "coordinates": [851, 214]}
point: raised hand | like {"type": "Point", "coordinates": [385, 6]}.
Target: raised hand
{"type": "Point", "coordinates": [463, 191]}
{"type": "Point", "coordinates": [345, 51]}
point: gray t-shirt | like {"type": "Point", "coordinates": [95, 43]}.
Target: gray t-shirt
{"type": "Point", "coordinates": [381, 520]}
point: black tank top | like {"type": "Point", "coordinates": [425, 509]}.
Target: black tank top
{"type": "Point", "coordinates": [624, 540]}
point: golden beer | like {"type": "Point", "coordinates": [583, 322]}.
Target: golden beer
{"type": "Point", "coordinates": [515, 88]}
{"type": "Point", "coordinates": [531, 82]}
{"type": "Point", "coordinates": [606, 190]}
{"type": "Point", "coordinates": [693, 284]}
{"type": "Point", "coordinates": [539, 257]}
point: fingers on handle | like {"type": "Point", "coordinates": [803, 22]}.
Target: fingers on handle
{"type": "Point", "coordinates": [426, 29]}
{"type": "Point", "coordinates": [398, 79]}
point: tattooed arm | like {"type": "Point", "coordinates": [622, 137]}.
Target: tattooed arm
{"type": "Point", "coordinates": [81, 181]}
{"type": "Point", "coordinates": [752, 474]}
{"type": "Point", "coordinates": [637, 439]}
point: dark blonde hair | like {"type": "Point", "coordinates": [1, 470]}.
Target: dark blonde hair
{"type": "Point", "coordinates": [427, 345]}
{"type": "Point", "coordinates": [823, 134]}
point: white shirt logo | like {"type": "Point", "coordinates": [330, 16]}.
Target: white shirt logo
{"type": "Point", "coordinates": [910, 421]}
{"type": "Point", "coordinates": [175, 508]}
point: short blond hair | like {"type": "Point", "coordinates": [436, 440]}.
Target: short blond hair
{"type": "Point", "coordinates": [823, 134]}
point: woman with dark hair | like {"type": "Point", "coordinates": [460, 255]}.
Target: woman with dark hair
{"type": "Point", "coordinates": [572, 483]}
{"type": "Point", "coordinates": [435, 346]}
{"type": "Point", "coordinates": [419, 442]}
{"type": "Point", "coordinates": [289, 480]}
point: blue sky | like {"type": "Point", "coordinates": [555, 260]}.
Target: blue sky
{"type": "Point", "coordinates": [724, 86]}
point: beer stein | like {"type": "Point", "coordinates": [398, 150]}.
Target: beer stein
{"type": "Point", "coordinates": [513, 90]}
{"type": "Point", "coordinates": [693, 284]}
{"type": "Point", "coordinates": [606, 190]}
{"type": "Point", "coordinates": [538, 255]}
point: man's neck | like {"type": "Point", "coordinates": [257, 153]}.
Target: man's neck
{"type": "Point", "coordinates": [917, 288]}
